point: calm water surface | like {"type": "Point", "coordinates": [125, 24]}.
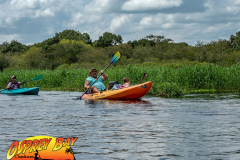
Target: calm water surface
{"type": "Point", "coordinates": [199, 126]}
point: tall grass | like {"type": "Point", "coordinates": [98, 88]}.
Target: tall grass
{"type": "Point", "coordinates": [167, 81]}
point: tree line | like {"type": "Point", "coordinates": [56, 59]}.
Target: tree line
{"type": "Point", "coordinates": [72, 50]}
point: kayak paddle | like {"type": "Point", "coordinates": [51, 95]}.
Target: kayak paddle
{"type": "Point", "coordinates": [34, 79]}
{"type": "Point", "coordinates": [144, 76]}
{"type": "Point", "coordinates": [115, 58]}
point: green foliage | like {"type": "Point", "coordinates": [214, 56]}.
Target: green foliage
{"type": "Point", "coordinates": [108, 39]}
{"type": "Point", "coordinates": [167, 89]}
{"type": "Point", "coordinates": [66, 34]}
{"type": "Point", "coordinates": [3, 45]}
{"type": "Point", "coordinates": [4, 62]}
{"type": "Point", "coordinates": [34, 59]}
{"type": "Point", "coordinates": [167, 81]}
{"type": "Point", "coordinates": [74, 48]}
{"type": "Point", "coordinates": [62, 67]}
{"type": "Point", "coordinates": [73, 35]}
{"type": "Point", "coordinates": [235, 41]}
{"type": "Point", "coordinates": [13, 47]}
{"type": "Point", "coordinates": [149, 40]}
{"type": "Point", "coordinates": [141, 42]}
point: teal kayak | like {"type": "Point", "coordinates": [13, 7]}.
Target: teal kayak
{"type": "Point", "coordinates": [24, 90]}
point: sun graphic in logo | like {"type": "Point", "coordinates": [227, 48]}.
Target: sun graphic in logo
{"type": "Point", "coordinates": [42, 148]}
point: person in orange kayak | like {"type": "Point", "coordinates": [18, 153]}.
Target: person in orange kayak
{"type": "Point", "coordinates": [98, 86]}
{"type": "Point", "coordinates": [126, 82]}
{"type": "Point", "coordinates": [13, 84]}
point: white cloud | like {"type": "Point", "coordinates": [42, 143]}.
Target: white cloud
{"type": "Point", "coordinates": [141, 5]}
{"type": "Point", "coordinates": [10, 37]}
{"type": "Point", "coordinates": [118, 22]}
{"type": "Point", "coordinates": [44, 13]}
{"type": "Point", "coordinates": [50, 30]}
{"type": "Point", "coordinates": [146, 21]}
{"type": "Point", "coordinates": [24, 4]}
{"type": "Point", "coordinates": [97, 6]}
{"type": "Point", "coordinates": [76, 20]}
{"type": "Point", "coordinates": [211, 29]}
{"type": "Point", "coordinates": [36, 20]}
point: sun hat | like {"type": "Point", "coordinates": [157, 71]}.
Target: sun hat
{"type": "Point", "coordinates": [13, 77]}
{"type": "Point", "coordinates": [93, 69]}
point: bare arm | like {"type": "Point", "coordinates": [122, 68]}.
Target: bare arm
{"type": "Point", "coordinates": [127, 84]}
{"type": "Point", "coordinates": [104, 76]}
{"type": "Point", "coordinates": [9, 85]}
{"type": "Point", "coordinates": [87, 85]}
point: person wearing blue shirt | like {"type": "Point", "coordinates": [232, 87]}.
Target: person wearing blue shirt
{"type": "Point", "coordinates": [98, 86]}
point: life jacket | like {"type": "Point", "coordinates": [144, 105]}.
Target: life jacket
{"type": "Point", "coordinates": [14, 83]}
{"type": "Point", "coordinates": [123, 85]}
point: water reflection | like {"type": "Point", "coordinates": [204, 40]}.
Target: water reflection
{"type": "Point", "coordinates": [97, 103]}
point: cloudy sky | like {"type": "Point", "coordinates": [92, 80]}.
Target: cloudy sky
{"type": "Point", "coordinates": [32, 21]}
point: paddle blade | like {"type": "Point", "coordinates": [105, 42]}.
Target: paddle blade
{"type": "Point", "coordinates": [115, 58]}
{"type": "Point", "coordinates": [38, 78]}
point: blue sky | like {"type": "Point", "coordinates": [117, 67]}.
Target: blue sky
{"type": "Point", "coordinates": [33, 21]}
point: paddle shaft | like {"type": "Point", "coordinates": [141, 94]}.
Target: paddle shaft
{"type": "Point", "coordinates": [22, 83]}
{"type": "Point", "coordinates": [144, 76]}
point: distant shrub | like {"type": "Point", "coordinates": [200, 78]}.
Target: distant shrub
{"type": "Point", "coordinates": [167, 89]}
{"type": "Point", "coordinates": [63, 66]}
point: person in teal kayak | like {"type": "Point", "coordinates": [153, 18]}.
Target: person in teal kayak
{"type": "Point", "coordinates": [13, 84]}
{"type": "Point", "coordinates": [98, 86]}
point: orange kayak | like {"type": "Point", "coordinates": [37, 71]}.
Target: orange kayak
{"type": "Point", "coordinates": [132, 92]}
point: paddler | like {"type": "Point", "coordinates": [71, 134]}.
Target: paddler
{"type": "Point", "coordinates": [13, 84]}
{"type": "Point", "coordinates": [98, 86]}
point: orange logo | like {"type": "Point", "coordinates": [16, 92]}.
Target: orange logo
{"type": "Point", "coordinates": [42, 147]}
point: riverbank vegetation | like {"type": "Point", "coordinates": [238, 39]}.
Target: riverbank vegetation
{"type": "Point", "coordinates": [167, 81]}
{"type": "Point", "coordinates": [174, 68]}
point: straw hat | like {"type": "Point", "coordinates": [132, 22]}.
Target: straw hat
{"type": "Point", "coordinates": [93, 69]}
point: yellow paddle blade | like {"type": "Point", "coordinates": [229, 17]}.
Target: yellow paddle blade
{"type": "Point", "coordinates": [115, 58]}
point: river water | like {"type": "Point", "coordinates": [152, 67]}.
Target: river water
{"type": "Point", "coordinates": [197, 126]}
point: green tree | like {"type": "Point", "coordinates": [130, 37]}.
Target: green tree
{"type": "Point", "coordinates": [108, 39]}
{"type": "Point", "coordinates": [4, 62]}
{"type": "Point", "coordinates": [34, 59]}
{"type": "Point", "coordinates": [66, 34]}
{"type": "Point", "coordinates": [3, 45]}
{"type": "Point", "coordinates": [13, 47]}
{"type": "Point", "coordinates": [235, 41]}
{"type": "Point", "coordinates": [157, 39]}
{"type": "Point", "coordinates": [73, 35]}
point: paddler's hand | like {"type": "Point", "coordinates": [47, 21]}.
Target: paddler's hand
{"type": "Point", "coordinates": [104, 76]}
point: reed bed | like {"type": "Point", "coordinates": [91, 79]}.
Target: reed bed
{"type": "Point", "coordinates": [167, 81]}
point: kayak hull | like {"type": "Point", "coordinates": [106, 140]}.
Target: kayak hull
{"type": "Point", "coordinates": [132, 92]}
{"type": "Point", "coordinates": [24, 90]}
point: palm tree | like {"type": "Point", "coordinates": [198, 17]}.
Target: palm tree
{"type": "Point", "coordinates": [69, 150]}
